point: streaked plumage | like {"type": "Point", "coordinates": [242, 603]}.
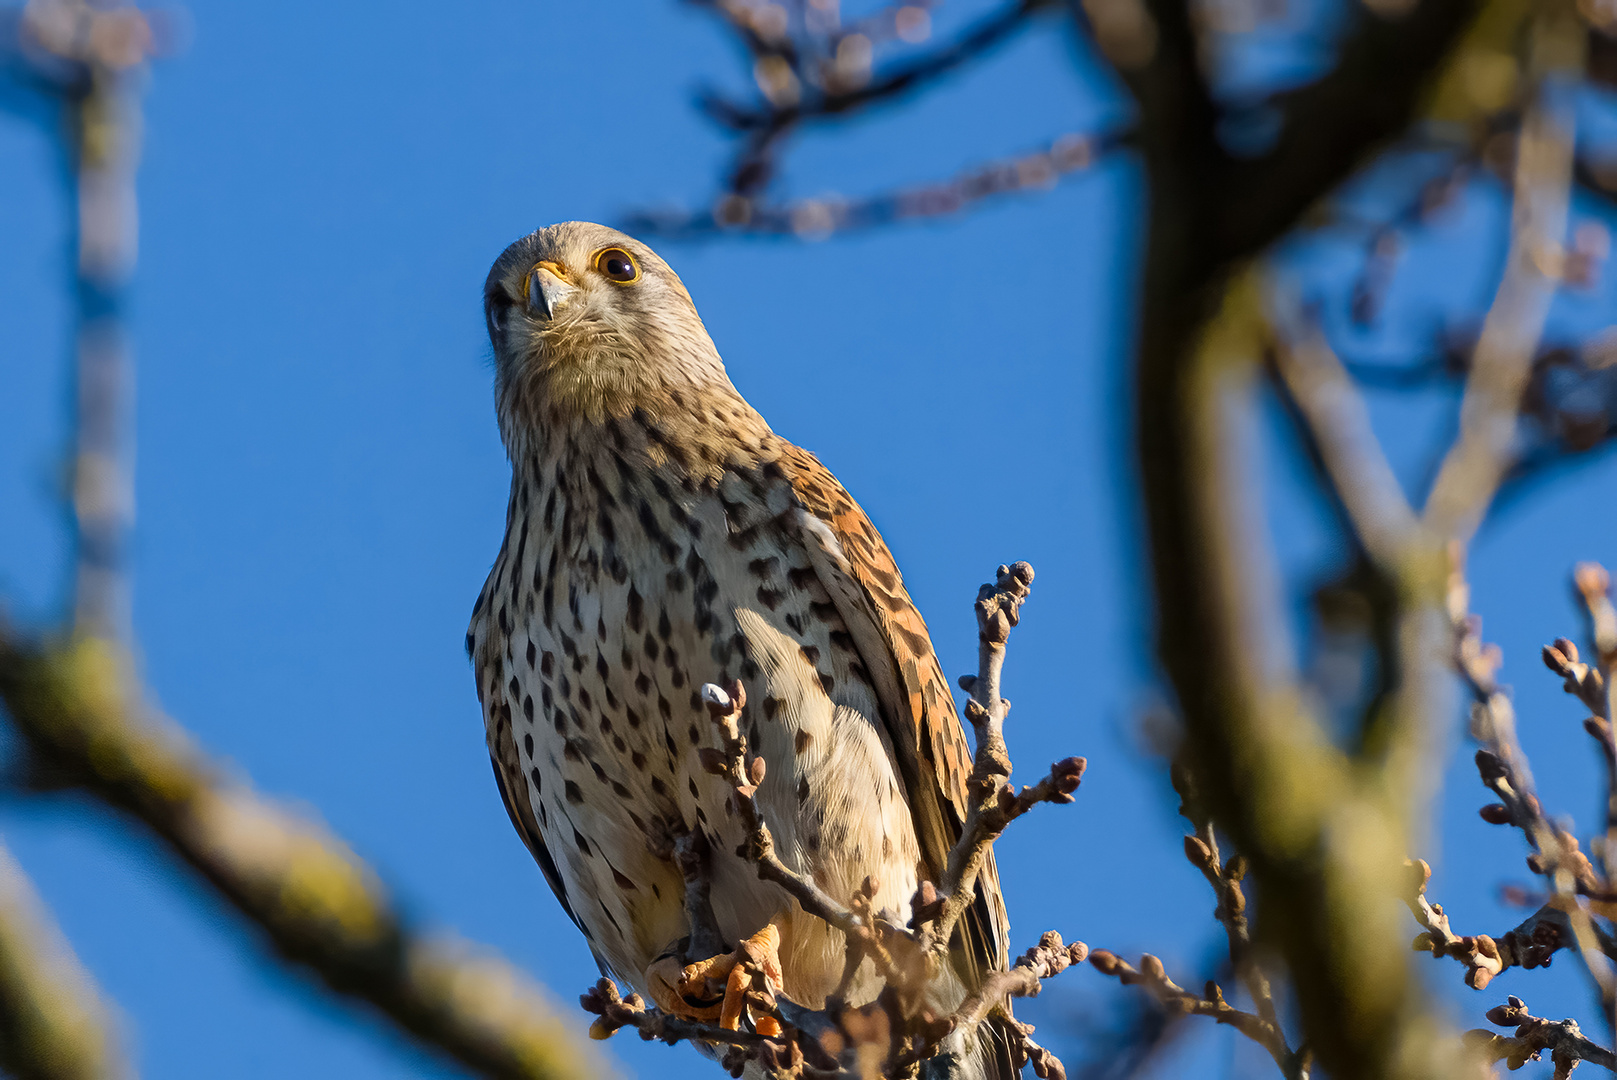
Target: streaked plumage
{"type": "Point", "coordinates": [660, 536]}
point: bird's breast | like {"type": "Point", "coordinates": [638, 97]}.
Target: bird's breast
{"type": "Point", "coordinates": [619, 594]}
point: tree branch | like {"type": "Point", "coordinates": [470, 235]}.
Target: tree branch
{"type": "Point", "coordinates": [54, 1024]}
{"type": "Point", "coordinates": [1177, 1000]}
{"type": "Point", "coordinates": [1566, 1044]}
{"type": "Point", "coordinates": [82, 722]}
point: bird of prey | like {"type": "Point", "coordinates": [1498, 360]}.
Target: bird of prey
{"type": "Point", "coordinates": [660, 536]}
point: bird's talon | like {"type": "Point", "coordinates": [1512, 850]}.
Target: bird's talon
{"type": "Point", "coordinates": [717, 988]}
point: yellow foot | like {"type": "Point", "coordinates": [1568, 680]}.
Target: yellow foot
{"type": "Point", "coordinates": [716, 988]}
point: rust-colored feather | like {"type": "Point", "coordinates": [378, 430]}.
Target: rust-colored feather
{"type": "Point", "coordinates": [916, 705]}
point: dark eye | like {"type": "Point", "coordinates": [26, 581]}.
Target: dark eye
{"type": "Point", "coordinates": [496, 309]}
{"type": "Point", "coordinates": [618, 265]}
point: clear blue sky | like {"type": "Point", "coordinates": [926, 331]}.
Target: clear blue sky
{"type": "Point", "coordinates": [321, 486]}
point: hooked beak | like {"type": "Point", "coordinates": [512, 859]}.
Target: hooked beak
{"type": "Point", "coordinates": [547, 289]}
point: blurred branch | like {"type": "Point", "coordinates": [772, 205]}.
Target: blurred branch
{"type": "Point", "coordinates": [1325, 847]}
{"type": "Point", "coordinates": [93, 58]}
{"type": "Point", "coordinates": [1339, 423]}
{"type": "Point", "coordinates": [912, 74]}
{"type": "Point", "coordinates": [78, 715]}
{"type": "Point", "coordinates": [1176, 999]}
{"type": "Point", "coordinates": [1503, 358]}
{"type": "Point", "coordinates": [816, 218]}
{"type": "Point", "coordinates": [53, 1023]}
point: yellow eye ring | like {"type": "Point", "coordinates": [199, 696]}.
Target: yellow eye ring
{"type": "Point", "coordinates": [616, 265]}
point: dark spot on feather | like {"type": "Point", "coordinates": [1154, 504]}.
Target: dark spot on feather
{"type": "Point", "coordinates": [802, 741]}
{"type": "Point", "coordinates": [574, 794]}
{"type": "Point", "coordinates": [583, 844]}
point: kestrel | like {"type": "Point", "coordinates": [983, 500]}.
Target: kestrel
{"type": "Point", "coordinates": [660, 536]}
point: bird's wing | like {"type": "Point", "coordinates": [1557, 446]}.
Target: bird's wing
{"type": "Point", "coordinates": [502, 749]}
{"type": "Point", "coordinates": [858, 571]}
{"type": "Point", "coordinates": [483, 645]}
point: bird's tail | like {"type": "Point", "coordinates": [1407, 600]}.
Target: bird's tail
{"type": "Point", "coordinates": [989, 1059]}
{"type": "Point", "coordinates": [994, 1052]}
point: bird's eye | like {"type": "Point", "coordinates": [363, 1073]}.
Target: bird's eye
{"type": "Point", "coordinates": [496, 309]}
{"type": "Point", "coordinates": [618, 265]}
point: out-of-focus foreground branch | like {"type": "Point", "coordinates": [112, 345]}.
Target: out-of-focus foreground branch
{"type": "Point", "coordinates": [53, 1023]}
{"type": "Point", "coordinates": [314, 903]}
{"type": "Point", "coordinates": [1326, 828]}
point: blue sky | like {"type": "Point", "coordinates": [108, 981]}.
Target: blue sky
{"type": "Point", "coordinates": [321, 486]}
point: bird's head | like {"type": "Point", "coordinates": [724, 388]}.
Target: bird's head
{"type": "Point", "coordinates": [587, 324]}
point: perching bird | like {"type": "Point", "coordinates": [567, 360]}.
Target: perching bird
{"type": "Point", "coordinates": [660, 536]}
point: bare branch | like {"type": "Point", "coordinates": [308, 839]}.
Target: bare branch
{"type": "Point", "coordinates": [1504, 769]}
{"type": "Point", "coordinates": [817, 218]}
{"type": "Point", "coordinates": [315, 902]}
{"type": "Point", "coordinates": [1177, 1000]}
{"type": "Point", "coordinates": [912, 75]}
{"type": "Point", "coordinates": [53, 1022]}
{"type": "Point", "coordinates": [1566, 1044]}
{"type": "Point", "coordinates": [1339, 424]}
{"type": "Point", "coordinates": [992, 805]}
{"type": "Point", "coordinates": [1049, 958]}
{"type": "Point", "coordinates": [730, 762]}
{"type": "Point", "coordinates": [1581, 680]}
{"type": "Point", "coordinates": [1530, 945]}
{"type": "Point", "coordinates": [1477, 462]}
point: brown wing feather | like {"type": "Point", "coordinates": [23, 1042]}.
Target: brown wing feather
{"type": "Point", "coordinates": [915, 701]}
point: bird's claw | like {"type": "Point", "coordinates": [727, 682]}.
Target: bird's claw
{"type": "Point", "coordinates": [718, 988]}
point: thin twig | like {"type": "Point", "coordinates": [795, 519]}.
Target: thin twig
{"type": "Point", "coordinates": [725, 706]}
{"type": "Point", "coordinates": [1153, 977]}
{"type": "Point", "coordinates": [1566, 1044]}
{"type": "Point", "coordinates": [817, 218]}
{"type": "Point", "coordinates": [992, 803]}
{"type": "Point", "coordinates": [1594, 587]}
{"type": "Point", "coordinates": [1529, 945]}
{"type": "Point", "coordinates": [913, 74]}
{"type": "Point", "coordinates": [1504, 769]}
